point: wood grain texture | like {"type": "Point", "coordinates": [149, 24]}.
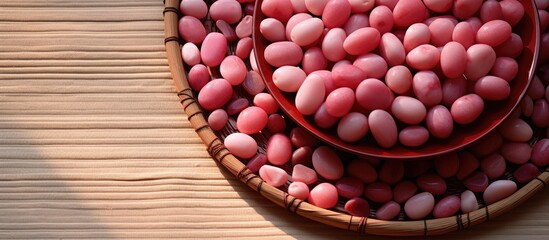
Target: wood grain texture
{"type": "Point", "coordinates": [94, 144]}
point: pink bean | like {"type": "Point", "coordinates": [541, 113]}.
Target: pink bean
{"type": "Point", "coordinates": [198, 32]}
{"type": "Point", "coordinates": [307, 31]}
{"type": "Point", "coordinates": [493, 166]}
{"type": "Point", "coordinates": [540, 153]}
{"type": "Point", "coordinates": [253, 84]}
{"type": "Point", "coordinates": [388, 211]}
{"type": "Point", "coordinates": [492, 88]}
{"type": "Point", "coordinates": [383, 128]}
{"type": "Point", "coordinates": [356, 21]}
{"type": "Point", "coordinates": [324, 195]}
{"type": "Point", "coordinates": [226, 29]}
{"type": "Point", "coordinates": [464, 9]}
{"type": "Point", "coordinates": [218, 119]}
{"type": "Point", "coordinates": [304, 174]}
{"type": "Point", "coordinates": [468, 163]}
{"type": "Point", "coordinates": [279, 9]}
{"type": "Point", "coordinates": [190, 54]}
{"type": "Point", "coordinates": [499, 190]}
{"type": "Point", "coordinates": [516, 152]}
{"type": "Point", "coordinates": [378, 192]}
{"type": "Point", "coordinates": [476, 182]}
{"type": "Point", "coordinates": [409, 12]}
{"type": "Point", "coordinates": [256, 162]}
{"type": "Point", "coordinates": [294, 20]}
{"type": "Point", "coordinates": [480, 59]}
{"type": "Point", "coordinates": [313, 60]}
{"type": "Point", "coordinates": [526, 173]}
{"type": "Point", "coordinates": [494, 33]}
{"type": "Point", "coordinates": [512, 47]}
{"type": "Point", "coordinates": [362, 41]}
{"type": "Point", "coordinates": [536, 89]}
{"type": "Point", "coordinates": [244, 27]}
{"type": "Point", "coordinates": [413, 136]}
{"type": "Point", "coordinates": [447, 165]}
{"type": "Point", "coordinates": [233, 69]}
{"type": "Point", "coordinates": [403, 191]}
{"type": "Point", "coordinates": [467, 109]}
{"type": "Point", "coordinates": [453, 60]}
{"type": "Point", "coordinates": [195, 8]}
{"type": "Point", "coordinates": [439, 122]}
{"type": "Point", "coordinates": [283, 53]}
{"type": "Point", "coordinates": [423, 57]}
{"type": "Point", "coordinates": [391, 172]}
{"type": "Point", "coordinates": [273, 176]}
{"type": "Point", "coordinates": [527, 106]}
{"type": "Point", "coordinates": [299, 190]}
{"type": "Point", "coordinates": [279, 149]}
{"type": "Point", "coordinates": [388, 3]}
{"type": "Point", "coordinates": [300, 138]}
{"type": "Point", "coordinates": [336, 13]}
{"type": "Point", "coordinates": [399, 79]}
{"type": "Point", "coordinates": [347, 75]}
{"type": "Point", "coordinates": [340, 101]}
{"type": "Point", "coordinates": [468, 202]}
{"type": "Point", "coordinates": [198, 77]}
{"type": "Point", "coordinates": [237, 105]}
{"type": "Point", "coordinates": [441, 31]}
{"type": "Point", "coordinates": [266, 102]}
{"type": "Point", "coordinates": [323, 119]}
{"type": "Point", "coordinates": [505, 67]}
{"type": "Point", "coordinates": [332, 44]}
{"type": "Point", "coordinates": [417, 34]}
{"type": "Point", "coordinates": [215, 94]}
{"type": "Point", "coordinates": [419, 206]}
{"type": "Point", "coordinates": [512, 11]}
{"type": "Point", "coordinates": [349, 187]}
{"type": "Point", "coordinates": [439, 6]}
{"type": "Point", "coordinates": [408, 110]}
{"type": "Point", "coordinates": [357, 207]}
{"type": "Point", "coordinates": [381, 18]}
{"type": "Point", "coordinates": [362, 170]}
{"type": "Point", "coordinates": [352, 127]}
{"type": "Point", "coordinates": [516, 129]}
{"type": "Point", "coordinates": [540, 116]}
{"type": "Point", "coordinates": [490, 10]}
{"type": "Point", "coordinates": [464, 34]}
{"type": "Point", "coordinates": [251, 120]}
{"type": "Point", "coordinates": [361, 6]}
{"type": "Point", "coordinates": [391, 49]}
{"type": "Point", "coordinates": [327, 164]}
{"type": "Point", "coordinates": [273, 30]}
{"type": "Point", "coordinates": [373, 94]}
{"type": "Point", "coordinates": [316, 7]}
{"type": "Point", "coordinates": [427, 88]}
{"type": "Point", "coordinates": [288, 78]}
{"type": "Point", "coordinates": [447, 207]}
{"type": "Point", "coordinates": [302, 155]}
{"type": "Point", "coordinates": [276, 123]}
{"type": "Point", "coordinates": [372, 64]}
{"type": "Point", "coordinates": [487, 145]}
{"type": "Point", "coordinates": [431, 183]}
{"type": "Point", "coordinates": [244, 47]}
{"type": "Point", "coordinates": [452, 89]}
{"type": "Point", "coordinates": [229, 11]}
{"type": "Point", "coordinates": [213, 49]}
{"type": "Point", "coordinates": [241, 145]}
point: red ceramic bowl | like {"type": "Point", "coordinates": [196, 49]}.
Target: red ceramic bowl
{"type": "Point", "coordinates": [463, 135]}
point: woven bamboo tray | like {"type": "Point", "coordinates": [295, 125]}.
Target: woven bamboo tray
{"type": "Point", "coordinates": [333, 218]}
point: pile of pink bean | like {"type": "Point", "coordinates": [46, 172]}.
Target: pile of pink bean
{"type": "Point", "coordinates": [401, 70]}
{"type": "Point", "coordinates": [298, 163]}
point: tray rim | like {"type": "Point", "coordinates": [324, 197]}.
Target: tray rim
{"type": "Point", "coordinates": [361, 225]}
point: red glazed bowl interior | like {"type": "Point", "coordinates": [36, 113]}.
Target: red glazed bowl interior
{"type": "Point", "coordinates": [463, 135]}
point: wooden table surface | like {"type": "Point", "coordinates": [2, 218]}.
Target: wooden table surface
{"type": "Point", "coordinates": [94, 144]}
